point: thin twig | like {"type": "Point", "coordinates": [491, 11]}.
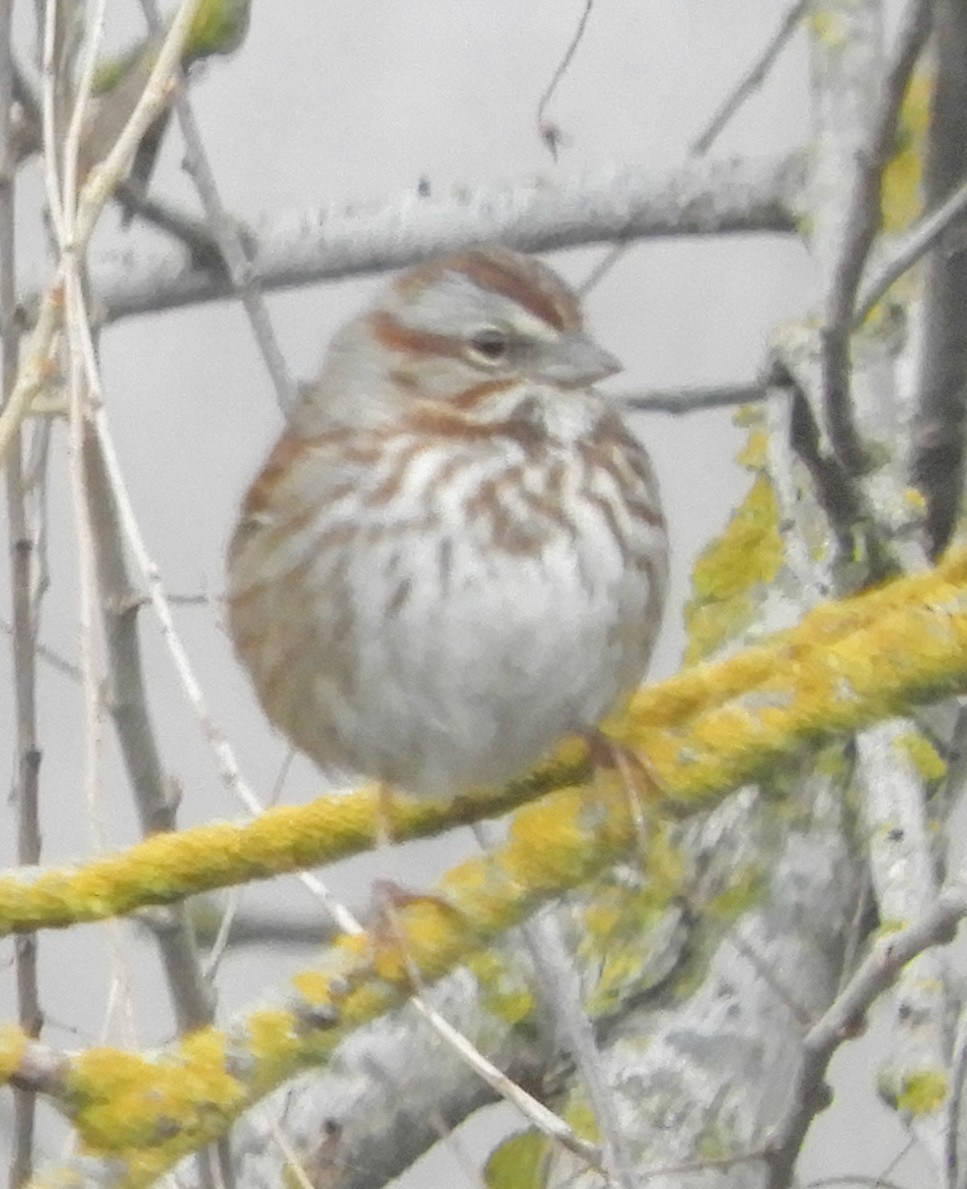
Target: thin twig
{"type": "Point", "coordinates": [194, 234]}
{"type": "Point", "coordinates": [549, 132]}
{"type": "Point", "coordinates": [956, 1174]}
{"type": "Point", "coordinates": [560, 986]}
{"type": "Point", "coordinates": [233, 250]}
{"type": "Point", "coordinates": [190, 993]}
{"type": "Point", "coordinates": [910, 247]}
{"type": "Point", "coordinates": [602, 268]}
{"type": "Point", "coordinates": [848, 1181]}
{"type": "Point", "coordinates": [745, 87]}
{"type": "Point", "coordinates": [54, 659]}
{"type": "Point", "coordinates": [751, 80]}
{"type": "Point", "coordinates": [678, 401]}
{"type": "Point", "coordinates": [553, 1126]}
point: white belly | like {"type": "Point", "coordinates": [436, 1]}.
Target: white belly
{"type": "Point", "coordinates": [474, 688]}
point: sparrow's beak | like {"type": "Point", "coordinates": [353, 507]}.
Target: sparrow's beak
{"type": "Point", "coordinates": [576, 359]}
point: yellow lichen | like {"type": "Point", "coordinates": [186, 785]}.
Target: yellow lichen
{"type": "Point", "coordinates": [925, 758]}
{"type": "Point", "coordinates": [503, 991]}
{"type": "Point", "coordinates": [122, 1101]}
{"type": "Point", "coordinates": [518, 1162]}
{"type": "Point", "coordinates": [754, 455]}
{"type": "Point", "coordinates": [273, 1037]}
{"type": "Point", "coordinates": [827, 27]}
{"type": "Point", "coordinates": [732, 572]}
{"type": "Point", "coordinates": [901, 200]}
{"type": "Point", "coordinates": [923, 1093]}
{"type": "Point", "coordinates": [314, 987]}
{"type": "Point", "coordinates": [13, 1042]}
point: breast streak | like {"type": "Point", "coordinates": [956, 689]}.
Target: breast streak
{"type": "Point", "coordinates": [486, 628]}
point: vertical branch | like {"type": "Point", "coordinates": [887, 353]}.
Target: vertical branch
{"type": "Point", "coordinates": [101, 553]}
{"type": "Point", "coordinates": [27, 756]}
{"type": "Point", "coordinates": [846, 65]}
{"type": "Point", "coordinates": [156, 806]}
{"type": "Point", "coordinates": [942, 417]}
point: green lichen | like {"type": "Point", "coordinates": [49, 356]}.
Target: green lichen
{"type": "Point", "coordinates": [580, 1116]}
{"type": "Point", "coordinates": [109, 73]}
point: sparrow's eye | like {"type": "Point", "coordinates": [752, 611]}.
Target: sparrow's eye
{"type": "Point", "coordinates": [489, 344]}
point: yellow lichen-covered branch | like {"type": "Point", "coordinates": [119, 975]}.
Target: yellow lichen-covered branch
{"type": "Point", "coordinates": [146, 1111]}
{"type": "Point", "coordinates": [846, 665]}
{"type": "Point", "coordinates": [710, 728]}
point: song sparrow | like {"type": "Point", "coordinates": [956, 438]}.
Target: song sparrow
{"type": "Point", "coordinates": [455, 554]}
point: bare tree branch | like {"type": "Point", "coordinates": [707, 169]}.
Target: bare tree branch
{"type": "Point", "coordinates": [25, 790]}
{"type": "Point", "coordinates": [546, 213]}
{"type": "Point", "coordinates": [938, 466]}
{"type": "Point", "coordinates": [152, 791]}
{"type": "Point", "coordinates": [904, 879]}
{"type": "Point", "coordinates": [844, 1018]}
{"type": "Point", "coordinates": [862, 222]}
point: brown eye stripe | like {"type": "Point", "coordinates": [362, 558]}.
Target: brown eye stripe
{"type": "Point", "coordinates": [394, 336]}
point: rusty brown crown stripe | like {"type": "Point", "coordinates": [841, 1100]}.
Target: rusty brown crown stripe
{"type": "Point", "coordinates": [521, 279]}
{"type": "Point", "coordinates": [531, 286]}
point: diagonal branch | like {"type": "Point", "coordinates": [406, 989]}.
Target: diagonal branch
{"type": "Point", "coordinates": [752, 79]}
{"type": "Point", "coordinates": [845, 1017]}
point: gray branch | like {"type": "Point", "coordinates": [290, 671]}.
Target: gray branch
{"type": "Point", "coordinates": [540, 214]}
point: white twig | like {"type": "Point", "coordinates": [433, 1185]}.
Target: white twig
{"type": "Point", "coordinates": [49, 120]}
{"type": "Point", "coordinates": [535, 1112]}
{"type": "Point", "coordinates": [560, 987]}
{"type": "Point", "coordinates": [75, 127]}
